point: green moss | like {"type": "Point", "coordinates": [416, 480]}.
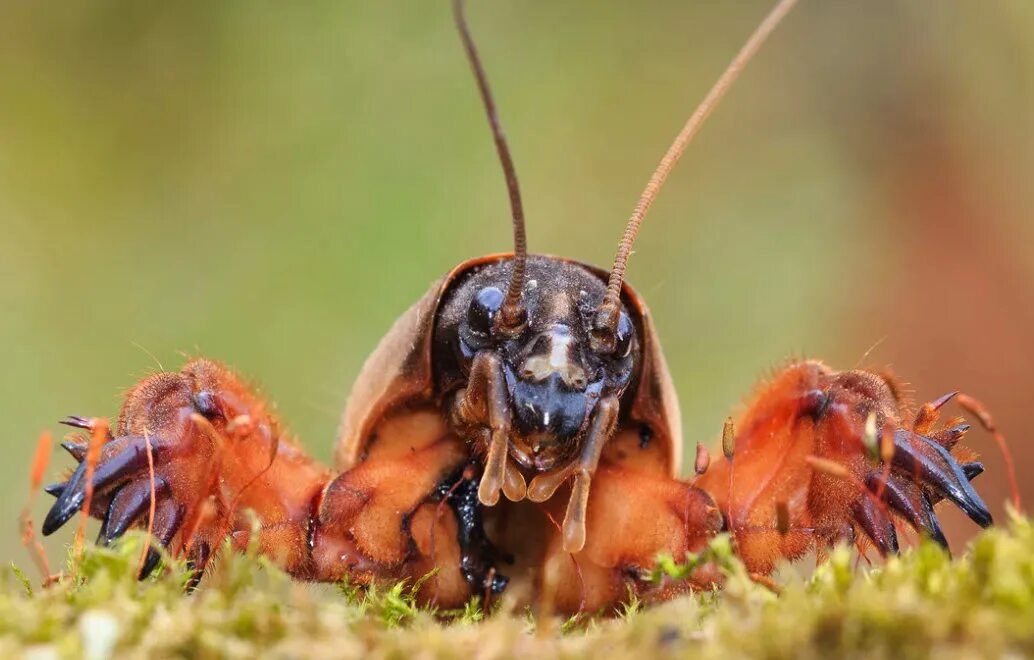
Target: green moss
{"type": "Point", "coordinates": [922, 603]}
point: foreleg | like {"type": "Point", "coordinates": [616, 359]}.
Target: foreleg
{"type": "Point", "coordinates": [219, 462]}
{"type": "Point", "coordinates": [201, 450]}
{"type": "Point", "coordinates": [820, 456]}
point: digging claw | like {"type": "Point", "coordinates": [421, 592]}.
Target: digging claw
{"type": "Point", "coordinates": [972, 470]}
{"type": "Point", "coordinates": [109, 472]}
{"type": "Point", "coordinates": [938, 403]}
{"type": "Point", "coordinates": [197, 565]}
{"type": "Point", "coordinates": [78, 422]}
{"type": "Point", "coordinates": [916, 456]}
{"type": "Point", "coordinates": [950, 437]}
{"type": "Point", "coordinates": [167, 521]}
{"type": "Point", "coordinates": [877, 525]}
{"type": "Point", "coordinates": [933, 526]}
{"type": "Point", "coordinates": [150, 563]}
{"type": "Point", "coordinates": [127, 506]}
{"type": "Point", "coordinates": [914, 505]}
{"type": "Point", "coordinates": [68, 503]}
{"type": "Point", "coordinates": [76, 449]}
{"type": "Point", "coordinates": [923, 472]}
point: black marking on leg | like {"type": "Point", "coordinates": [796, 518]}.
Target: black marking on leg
{"type": "Point", "coordinates": [205, 404]}
{"type": "Point", "coordinates": [815, 404]}
{"type": "Point", "coordinates": [312, 523]}
{"type": "Point", "coordinates": [645, 436]}
{"type": "Point", "coordinates": [477, 554]}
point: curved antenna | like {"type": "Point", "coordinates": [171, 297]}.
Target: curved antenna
{"type": "Point", "coordinates": [511, 315]}
{"type": "Point", "coordinates": [605, 324]}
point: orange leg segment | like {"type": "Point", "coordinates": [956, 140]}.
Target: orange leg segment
{"type": "Point", "coordinates": [804, 467]}
{"type": "Point", "coordinates": [196, 458]}
{"type": "Point", "coordinates": [632, 517]}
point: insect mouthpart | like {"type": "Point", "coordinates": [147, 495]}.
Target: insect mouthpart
{"type": "Point", "coordinates": [552, 398]}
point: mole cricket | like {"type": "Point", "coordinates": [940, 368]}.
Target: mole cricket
{"type": "Point", "coordinates": [517, 431]}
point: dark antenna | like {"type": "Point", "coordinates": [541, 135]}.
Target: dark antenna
{"type": "Point", "coordinates": [605, 324]}
{"type": "Point", "coordinates": [511, 315]}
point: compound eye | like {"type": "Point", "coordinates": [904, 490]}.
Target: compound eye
{"type": "Point", "coordinates": [623, 338]}
{"type": "Point", "coordinates": [483, 310]}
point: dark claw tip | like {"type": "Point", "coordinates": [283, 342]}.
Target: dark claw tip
{"type": "Point", "coordinates": [937, 536]}
{"type": "Point", "coordinates": [66, 506]}
{"type": "Point", "coordinates": [150, 563]}
{"type": "Point", "coordinates": [58, 515]}
{"type": "Point", "coordinates": [197, 565]}
{"type": "Point", "coordinates": [933, 526]}
{"type": "Point", "coordinates": [977, 511]}
{"type": "Point", "coordinates": [77, 422]}
{"type": "Point", "coordinates": [984, 521]}
{"type": "Point", "coordinates": [972, 470]}
{"type": "Point", "coordinates": [917, 454]}
{"type": "Point", "coordinates": [76, 449]}
{"type": "Point", "coordinates": [939, 403]}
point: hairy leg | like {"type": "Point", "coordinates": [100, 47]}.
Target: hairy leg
{"type": "Point", "coordinates": [820, 456]}
{"type": "Point", "coordinates": [220, 460]}
{"type": "Point", "coordinates": [216, 452]}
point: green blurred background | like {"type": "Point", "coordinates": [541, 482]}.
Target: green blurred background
{"type": "Point", "coordinates": [272, 183]}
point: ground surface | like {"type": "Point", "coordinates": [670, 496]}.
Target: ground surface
{"type": "Point", "coordinates": [980, 604]}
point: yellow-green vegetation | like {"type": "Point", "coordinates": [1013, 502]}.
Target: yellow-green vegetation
{"type": "Point", "coordinates": [922, 603]}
